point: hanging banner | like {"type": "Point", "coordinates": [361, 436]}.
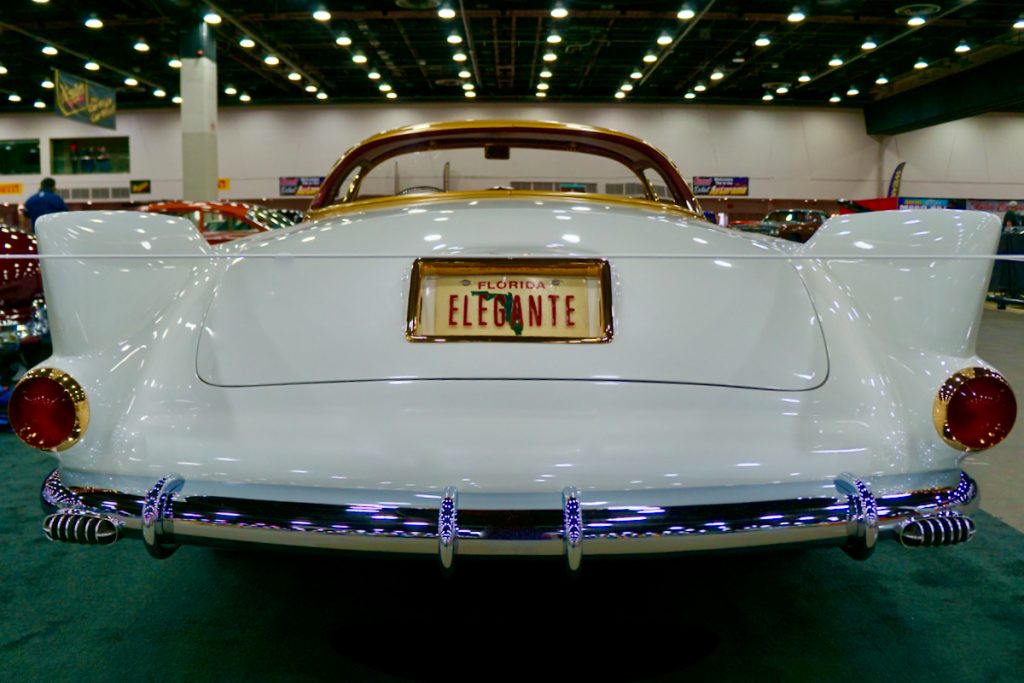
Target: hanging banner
{"type": "Point", "coordinates": [299, 186]}
{"type": "Point", "coordinates": [721, 186]}
{"type": "Point", "coordinates": [84, 100]}
{"type": "Point", "coordinates": [894, 182]}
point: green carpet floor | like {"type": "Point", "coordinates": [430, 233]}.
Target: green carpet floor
{"type": "Point", "coordinates": [69, 613]}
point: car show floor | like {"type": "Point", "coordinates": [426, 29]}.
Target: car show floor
{"type": "Point", "coordinates": [71, 613]}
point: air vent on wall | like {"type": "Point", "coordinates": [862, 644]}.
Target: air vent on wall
{"type": "Point", "coordinates": [100, 193]}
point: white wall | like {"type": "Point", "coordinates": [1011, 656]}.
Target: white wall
{"type": "Point", "coordinates": [791, 153]}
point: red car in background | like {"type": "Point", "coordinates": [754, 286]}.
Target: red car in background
{"type": "Point", "coordinates": [225, 221]}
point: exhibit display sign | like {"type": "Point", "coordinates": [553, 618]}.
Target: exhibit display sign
{"type": "Point", "coordinates": [140, 186]}
{"type": "Point", "coordinates": [85, 101]}
{"type": "Point", "coordinates": [721, 186]}
{"type": "Point", "coordinates": [11, 188]}
{"type": "Point", "coordinates": [303, 186]}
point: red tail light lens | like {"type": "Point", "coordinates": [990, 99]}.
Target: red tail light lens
{"type": "Point", "coordinates": [975, 409]}
{"type": "Point", "coordinates": [48, 410]}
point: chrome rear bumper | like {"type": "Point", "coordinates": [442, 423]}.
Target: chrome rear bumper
{"type": "Point", "coordinates": [852, 518]}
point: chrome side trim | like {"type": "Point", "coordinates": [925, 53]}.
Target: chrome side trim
{"type": "Point", "coordinates": [572, 527]}
{"type": "Point", "coordinates": [852, 516]}
{"type": "Point", "coordinates": [448, 526]}
{"type": "Point", "coordinates": [156, 513]}
{"type": "Point", "coordinates": [861, 518]}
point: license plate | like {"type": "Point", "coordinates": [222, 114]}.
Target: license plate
{"type": "Point", "coordinates": [527, 300]}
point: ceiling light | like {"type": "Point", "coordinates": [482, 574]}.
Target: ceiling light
{"type": "Point", "coordinates": [384, 87]}
{"type": "Point", "coordinates": [916, 21]}
{"type": "Point", "coordinates": [920, 63]}
{"type": "Point", "coordinates": [39, 104]}
{"type": "Point", "coordinates": [48, 84]}
{"type": "Point", "coordinates": [686, 13]}
{"type": "Point", "coordinates": [636, 75]}
{"type": "Point", "coordinates": [322, 15]}
{"type": "Point", "coordinates": [700, 87]}
{"type": "Point", "coordinates": [470, 94]}
{"type": "Point", "coordinates": [546, 73]}
{"type": "Point", "coordinates": [804, 77]}
{"type": "Point", "coordinates": [835, 99]}
{"type": "Point", "coordinates": [852, 92]}
{"type": "Point", "coordinates": [321, 96]}
{"type": "Point", "coordinates": [620, 95]}
{"type": "Point", "coordinates": [541, 93]}
{"type": "Point", "coordinates": [650, 58]}
{"type": "Point", "coordinates": [174, 63]}
{"type": "Point", "coordinates": [459, 56]}
{"type": "Point", "coordinates": [247, 42]}
{"type": "Point", "coordinates": [359, 58]}
{"type": "Point", "coordinates": [626, 87]}
{"type": "Point", "coordinates": [244, 97]}
{"type": "Point", "coordinates": [392, 95]}
{"type": "Point", "coordinates": [664, 39]}
{"type": "Point", "coordinates": [782, 89]}
{"type": "Point", "coordinates": [835, 61]}
{"type": "Point", "coordinates": [373, 75]}
{"type": "Point", "coordinates": [130, 82]}
{"type": "Point", "coordinates": [796, 16]}
{"type": "Point", "coordinates": [41, 2]}
{"type": "Point", "coordinates": [717, 75]}
{"type": "Point", "coordinates": [690, 95]}
{"type": "Point", "coordinates": [559, 12]}
{"type": "Point", "coordinates": [94, 22]}
{"type": "Point", "coordinates": [763, 41]}
{"type": "Point", "coordinates": [768, 97]}
{"type": "Point", "coordinates": [1019, 24]}
{"type": "Point", "coordinates": [343, 40]}
{"type": "Point", "coordinates": [454, 39]}
{"type": "Point", "coordinates": [159, 92]}
{"type": "Point", "coordinates": [549, 56]}
{"type": "Point", "coordinates": [542, 86]}
{"type": "Point", "coordinates": [14, 97]}
{"type": "Point", "coordinates": [177, 98]}
{"type": "Point", "coordinates": [468, 86]}
{"type": "Point", "coordinates": [446, 12]}
{"type": "Point", "coordinates": [271, 60]}
{"type": "Point", "coordinates": [92, 66]}
{"type": "Point", "coordinates": [230, 90]}
{"type": "Point", "coordinates": [962, 47]}
{"type": "Point", "coordinates": [308, 88]}
{"type": "Point", "coordinates": [49, 50]}
{"type": "Point", "coordinates": [212, 18]}
{"type": "Point", "coordinates": [868, 44]}
{"type": "Point", "coordinates": [464, 74]}
{"type": "Point", "coordinates": [141, 45]}
{"type": "Point", "coordinates": [881, 80]}
{"type": "Point", "coordinates": [295, 76]}
{"type": "Point", "coordinates": [554, 39]}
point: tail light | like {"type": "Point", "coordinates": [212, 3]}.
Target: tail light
{"type": "Point", "coordinates": [48, 410]}
{"type": "Point", "coordinates": [975, 409]}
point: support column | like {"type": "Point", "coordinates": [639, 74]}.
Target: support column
{"type": "Point", "coordinates": [199, 115]}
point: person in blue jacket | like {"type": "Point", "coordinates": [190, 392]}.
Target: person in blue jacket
{"type": "Point", "coordinates": [43, 202]}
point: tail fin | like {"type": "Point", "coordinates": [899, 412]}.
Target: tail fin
{"type": "Point", "coordinates": [99, 299]}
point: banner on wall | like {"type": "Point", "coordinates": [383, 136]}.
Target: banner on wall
{"type": "Point", "coordinates": [299, 186]}
{"type": "Point", "coordinates": [85, 101]}
{"type": "Point", "coordinates": [11, 188]}
{"type": "Point", "coordinates": [721, 186]}
{"type": "Point", "coordinates": [931, 203]}
{"type": "Point", "coordinates": [140, 186]}
{"type": "Point", "coordinates": [223, 183]}
{"type": "Point", "coordinates": [894, 182]}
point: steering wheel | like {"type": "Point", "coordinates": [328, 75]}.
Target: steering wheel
{"type": "Point", "coordinates": [421, 189]}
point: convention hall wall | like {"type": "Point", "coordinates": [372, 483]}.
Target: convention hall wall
{"type": "Point", "coordinates": [799, 153]}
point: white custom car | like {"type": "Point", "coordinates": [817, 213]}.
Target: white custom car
{"type": "Point", "coordinates": [501, 337]}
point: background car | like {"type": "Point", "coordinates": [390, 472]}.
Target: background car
{"type": "Point", "coordinates": [225, 221]}
{"type": "Point", "coordinates": [446, 359]}
{"type": "Point", "coordinates": [796, 225]}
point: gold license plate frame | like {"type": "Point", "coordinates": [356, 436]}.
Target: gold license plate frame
{"type": "Point", "coordinates": [424, 268]}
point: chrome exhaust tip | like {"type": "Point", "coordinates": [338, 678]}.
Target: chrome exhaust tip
{"type": "Point", "coordinates": [931, 532]}
{"type": "Point", "coordinates": [78, 527]}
